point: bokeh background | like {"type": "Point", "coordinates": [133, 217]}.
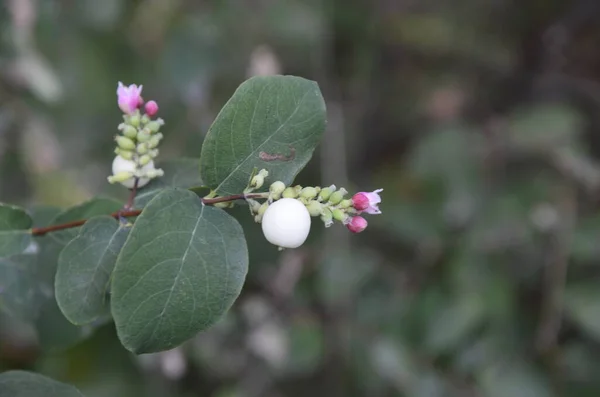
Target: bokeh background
{"type": "Point", "coordinates": [479, 118]}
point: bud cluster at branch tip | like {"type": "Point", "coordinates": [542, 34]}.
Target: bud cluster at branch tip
{"type": "Point", "coordinates": [285, 215]}
{"type": "Point", "coordinates": [137, 144]}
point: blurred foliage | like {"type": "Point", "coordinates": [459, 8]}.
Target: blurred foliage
{"type": "Point", "coordinates": [479, 118]}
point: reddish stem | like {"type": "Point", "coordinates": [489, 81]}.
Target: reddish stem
{"type": "Point", "coordinates": [40, 231]}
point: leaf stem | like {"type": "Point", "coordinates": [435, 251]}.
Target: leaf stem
{"type": "Point", "coordinates": [41, 231]}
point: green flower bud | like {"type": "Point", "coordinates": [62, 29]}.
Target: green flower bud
{"type": "Point", "coordinates": [155, 140]}
{"type": "Point", "coordinates": [346, 203]}
{"type": "Point", "coordinates": [289, 192]}
{"type": "Point", "coordinates": [339, 215]}
{"type": "Point", "coordinates": [153, 153]}
{"type": "Point", "coordinates": [263, 208]}
{"type": "Point", "coordinates": [153, 126]}
{"type": "Point", "coordinates": [126, 154]}
{"type": "Point", "coordinates": [337, 196]}
{"type": "Point", "coordinates": [254, 206]}
{"type": "Point", "coordinates": [154, 173]}
{"type": "Point", "coordinates": [120, 177]}
{"type": "Point", "coordinates": [314, 208]}
{"type": "Point", "coordinates": [134, 119]}
{"type": "Point", "coordinates": [327, 217]}
{"type": "Point", "coordinates": [257, 181]}
{"type": "Point", "coordinates": [129, 131]}
{"type": "Point", "coordinates": [145, 159]}
{"type": "Point", "coordinates": [276, 189]}
{"type": "Point", "coordinates": [142, 136]}
{"type": "Point", "coordinates": [142, 148]}
{"type": "Point", "coordinates": [326, 193]}
{"type": "Point", "coordinates": [224, 205]}
{"type": "Point", "coordinates": [298, 189]}
{"type": "Point", "coordinates": [309, 192]}
{"type": "Point", "coordinates": [145, 119]}
{"type": "Point", "coordinates": [125, 143]}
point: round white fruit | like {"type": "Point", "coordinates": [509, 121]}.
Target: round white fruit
{"type": "Point", "coordinates": [123, 165]}
{"type": "Point", "coordinates": [286, 223]}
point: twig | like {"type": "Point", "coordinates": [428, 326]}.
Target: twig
{"type": "Point", "coordinates": [40, 231]}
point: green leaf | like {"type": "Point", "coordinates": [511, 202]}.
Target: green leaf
{"type": "Point", "coordinates": [28, 384]}
{"type": "Point", "coordinates": [182, 267]}
{"type": "Point", "coordinates": [20, 294]}
{"type": "Point", "coordinates": [14, 230]}
{"type": "Point", "coordinates": [180, 173]}
{"type": "Point", "coordinates": [94, 207]}
{"type": "Point", "coordinates": [84, 269]}
{"type": "Point", "coordinates": [54, 331]}
{"type": "Point", "coordinates": [267, 117]}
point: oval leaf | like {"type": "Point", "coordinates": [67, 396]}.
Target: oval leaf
{"type": "Point", "coordinates": [180, 173]}
{"type": "Point", "coordinates": [94, 207]}
{"type": "Point", "coordinates": [84, 269]}
{"type": "Point", "coordinates": [28, 384]}
{"type": "Point", "coordinates": [14, 230]}
{"type": "Point", "coordinates": [182, 267]}
{"type": "Point", "coordinates": [20, 293]}
{"type": "Point", "coordinates": [271, 122]}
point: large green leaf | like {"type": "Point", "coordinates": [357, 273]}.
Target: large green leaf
{"type": "Point", "coordinates": [84, 269]}
{"type": "Point", "coordinates": [179, 173]}
{"type": "Point", "coordinates": [20, 294]}
{"type": "Point", "coordinates": [28, 384]}
{"type": "Point", "coordinates": [182, 267]}
{"type": "Point", "coordinates": [14, 230]}
{"type": "Point", "coordinates": [94, 207]}
{"type": "Point", "coordinates": [272, 122]}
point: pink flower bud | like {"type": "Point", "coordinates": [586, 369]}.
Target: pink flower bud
{"type": "Point", "coordinates": [151, 108]}
{"type": "Point", "coordinates": [129, 98]}
{"type": "Point", "coordinates": [357, 224]}
{"type": "Point", "coordinates": [367, 202]}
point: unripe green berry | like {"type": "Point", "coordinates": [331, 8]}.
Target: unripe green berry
{"type": "Point", "coordinates": [289, 192]}
{"type": "Point", "coordinates": [142, 148]}
{"type": "Point", "coordinates": [337, 196]}
{"type": "Point", "coordinates": [125, 143]}
{"type": "Point", "coordinates": [309, 192]}
{"type": "Point", "coordinates": [129, 131]}
{"type": "Point", "coordinates": [153, 126]}
{"type": "Point", "coordinates": [339, 215]}
{"type": "Point", "coordinates": [314, 208]}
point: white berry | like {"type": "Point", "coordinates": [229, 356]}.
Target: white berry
{"type": "Point", "coordinates": [286, 223]}
{"type": "Point", "coordinates": [122, 165]}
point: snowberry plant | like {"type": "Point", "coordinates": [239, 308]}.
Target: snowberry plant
{"type": "Point", "coordinates": [170, 261]}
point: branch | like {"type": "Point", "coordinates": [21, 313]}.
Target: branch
{"type": "Point", "coordinates": [40, 231]}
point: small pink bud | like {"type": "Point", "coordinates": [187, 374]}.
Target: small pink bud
{"type": "Point", "coordinates": [151, 108]}
{"type": "Point", "coordinates": [367, 202]}
{"type": "Point", "coordinates": [357, 224]}
{"type": "Point", "coordinates": [129, 98]}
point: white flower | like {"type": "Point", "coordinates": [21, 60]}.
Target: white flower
{"type": "Point", "coordinates": [122, 165]}
{"type": "Point", "coordinates": [286, 223]}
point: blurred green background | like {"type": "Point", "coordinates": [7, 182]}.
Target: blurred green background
{"type": "Point", "coordinates": [479, 118]}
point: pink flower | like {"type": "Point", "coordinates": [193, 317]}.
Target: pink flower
{"type": "Point", "coordinates": [367, 202]}
{"type": "Point", "coordinates": [129, 98]}
{"type": "Point", "coordinates": [357, 224]}
{"type": "Point", "coordinates": [151, 108]}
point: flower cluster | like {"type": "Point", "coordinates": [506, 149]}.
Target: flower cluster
{"type": "Point", "coordinates": [286, 214]}
{"type": "Point", "coordinates": [137, 143]}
